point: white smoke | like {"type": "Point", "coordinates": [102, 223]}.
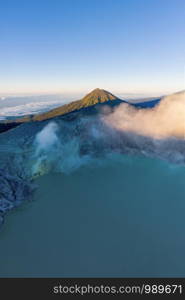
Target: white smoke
{"type": "Point", "coordinates": [45, 144]}
{"type": "Point", "coordinates": [57, 150]}
{"type": "Point", "coordinates": [46, 138]}
{"type": "Point", "coordinates": [165, 120]}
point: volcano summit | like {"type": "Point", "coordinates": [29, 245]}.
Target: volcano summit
{"type": "Point", "coordinates": [89, 104]}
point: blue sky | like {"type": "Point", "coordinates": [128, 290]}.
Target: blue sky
{"type": "Point", "coordinates": [53, 46]}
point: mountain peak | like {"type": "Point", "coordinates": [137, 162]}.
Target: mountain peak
{"type": "Point", "coordinates": [96, 90]}
{"type": "Point", "coordinates": [98, 96]}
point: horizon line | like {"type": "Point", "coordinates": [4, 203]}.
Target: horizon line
{"type": "Point", "coordinates": [85, 91]}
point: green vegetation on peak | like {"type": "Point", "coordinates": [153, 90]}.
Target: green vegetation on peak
{"type": "Point", "coordinates": [98, 96]}
{"type": "Point", "coordinates": [95, 97]}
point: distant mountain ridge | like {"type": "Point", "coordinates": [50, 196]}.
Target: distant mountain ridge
{"type": "Point", "coordinates": [88, 104]}
{"type": "Point", "coordinates": [97, 96]}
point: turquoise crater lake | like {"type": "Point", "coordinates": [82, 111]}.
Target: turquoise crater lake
{"type": "Point", "coordinates": [118, 219]}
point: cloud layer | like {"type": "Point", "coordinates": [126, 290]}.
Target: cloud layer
{"type": "Point", "coordinates": [165, 120]}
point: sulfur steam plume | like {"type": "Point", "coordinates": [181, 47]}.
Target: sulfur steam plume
{"type": "Point", "coordinates": [166, 120]}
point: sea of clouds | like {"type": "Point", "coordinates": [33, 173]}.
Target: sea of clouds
{"type": "Point", "coordinates": [25, 105]}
